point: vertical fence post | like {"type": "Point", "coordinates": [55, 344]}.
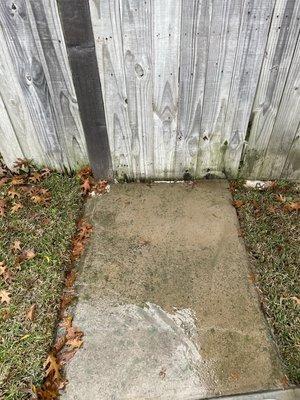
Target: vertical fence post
{"type": "Point", "coordinates": [76, 22]}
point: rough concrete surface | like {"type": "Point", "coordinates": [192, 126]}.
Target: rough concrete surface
{"type": "Point", "coordinates": [165, 299]}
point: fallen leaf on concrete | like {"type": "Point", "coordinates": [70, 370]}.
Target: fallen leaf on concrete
{"type": "Point", "coordinates": [4, 296]}
{"type": "Point", "coordinates": [75, 343]}
{"type": "Point", "coordinates": [86, 186]}
{"type": "Point", "coordinates": [31, 313]}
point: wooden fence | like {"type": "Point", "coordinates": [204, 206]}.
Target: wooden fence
{"type": "Point", "coordinates": [205, 86]}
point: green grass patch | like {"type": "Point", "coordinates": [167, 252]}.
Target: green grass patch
{"type": "Point", "coordinates": [271, 228]}
{"type": "Point", "coordinates": [48, 229]}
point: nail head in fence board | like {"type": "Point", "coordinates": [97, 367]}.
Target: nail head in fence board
{"type": "Point", "coordinates": [282, 41]}
{"type": "Point", "coordinates": [76, 21]}
{"type": "Point", "coordinates": [194, 38]}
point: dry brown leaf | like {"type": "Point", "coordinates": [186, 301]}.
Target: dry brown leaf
{"type": "Point", "coordinates": [3, 181]}
{"type": "Point", "coordinates": [77, 249]}
{"type": "Point", "coordinates": [46, 172]}
{"type": "Point", "coordinates": [31, 313]}
{"type": "Point", "coordinates": [5, 296]}
{"type": "Point", "coordinates": [66, 300]}
{"type": "Point", "coordinates": [86, 186]}
{"type": "Point", "coordinates": [59, 344]}
{"type": "Point", "coordinates": [296, 300]}
{"type": "Point", "coordinates": [66, 322]}
{"type": "Point", "coordinates": [75, 343]}
{"type": "Point", "coordinates": [12, 193]}
{"type": "Point", "coordinates": [85, 172]}
{"type": "Point", "coordinates": [280, 198]}
{"type": "Point", "coordinates": [16, 246]}
{"type": "Point", "coordinates": [16, 207]}
{"type": "Point", "coordinates": [70, 278]}
{"type": "Point", "coordinates": [5, 272]}
{"type": "Point", "coordinates": [237, 203]}
{"type": "Point", "coordinates": [27, 255]}
{"type": "Point", "coordinates": [52, 367]}
{"type": "Point", "coordinates": [35, 177]}
{"type": "Point", "coordinates": [5, 314]}
{"type": "Point", "coordinates": [294, 206]}
{"type": "Point", "coordinates": [18, 180]}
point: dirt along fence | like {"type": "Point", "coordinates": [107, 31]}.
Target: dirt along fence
{"type": "Point", "coordinates": [152, 88]}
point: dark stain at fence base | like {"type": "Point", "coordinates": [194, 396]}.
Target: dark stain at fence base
{"type": "Point", "coordinates": [76, 22]}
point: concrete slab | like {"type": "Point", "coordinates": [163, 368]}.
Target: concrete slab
{"type": "Point", "coordinates": [165, 299]}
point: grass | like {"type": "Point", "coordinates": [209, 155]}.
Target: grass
{"type": "Point", "coordinates": [271, 232]}
{"type": "Point", "coordinates": [47, 229]}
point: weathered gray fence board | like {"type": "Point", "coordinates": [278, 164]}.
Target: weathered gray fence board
{"type": "Point", "coordinates": [137, 50]}
{"type": "Point", "coordinates": [225, 23]}
{"type": "Point", "coordinates": [107, 28]}
{"type": "Point", "coordinates": [291, 169]}
{"type": "Point", "coordinates": [194, 40]}
{"type": "Point", "coordinates": [256, 17]}
{"type": "Point", "coordinates": [52, 136]}
{"type": "Point", "coordinates": [285, 129]}
{"type": "Point", "coordinates": [282, 40]}
{"type": "Point", "coordinates": [166, 45]}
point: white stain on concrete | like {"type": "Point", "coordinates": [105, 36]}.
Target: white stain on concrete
{"type": "Point", "coordinates": [133, 352]}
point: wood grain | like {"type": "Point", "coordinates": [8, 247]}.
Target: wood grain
{"type": "Point", "coordinates": [253, 34]}
{"type": "Point", "coordinates": [225, 21]}
{"type": "Point", "coordinates": [165, 55]}
{"type": "Point", "coordinates": [51, 134]}
{"type": "Point", "coordinates": [285, 134]}
{"type": "Point", "coordinates": [137, 53]}
{"type": "Point", "coordinates": [282, 40]}
{"type": "Point", "coordinates": [107, 29]}
{"type": "Point", "coordinates": [194, 39]}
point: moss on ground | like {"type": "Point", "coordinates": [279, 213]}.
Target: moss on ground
{"type": "Point", "coordinates": [271, 229]}
{"type": "Point", "coordinates": [47, 229]}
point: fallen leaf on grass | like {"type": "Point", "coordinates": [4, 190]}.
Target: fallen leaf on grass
{"type": "Point", "coordinates": [84, 230]}
{"type": "Point", "coordinates": [294, 206]}
{"type": "Point", "coordinates": [77, 249]}
{"type": "Point", "coordinates": [16, 207]}
{"type": "Point", "coordinates": [25, 256]}
{"type": "Point", "coordinates": [16, 246]}
{"type": "Point", "coordinates": [5, 314]}
{"type": "Point", "coordinates": [5, 296]}
{"type": "Point", "coordinates": [52, 367]}
{"type": "Point", "coordinates": [35, 177]}
{"type": "Point", "coordinates": [2, 207]}
{"type": "Point", "coordinates": [66, 300]}
{"type": "Point", "coordinates": [237, 203]}
{"type": "Point", "coordinates": [280, 198]}
{"type": "Point", "coordinates": [85, 172]}
{"type": "Point", "coordinates": [296, 300]}
{"type": "Point", "coordinates": [18, 180]}
{"type": "Point", "coordinates": [12, 193]}
{"type": "Point", "coordinates": [31, 313]}
{"type": "Point", "coordinates": [5, 272]}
